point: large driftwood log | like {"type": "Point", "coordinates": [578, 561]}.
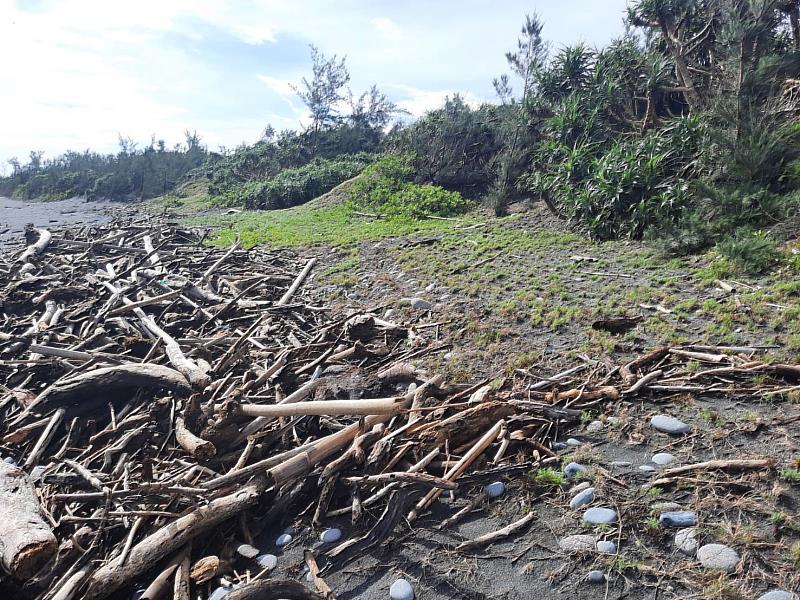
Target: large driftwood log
{"type": "Point", "coordinates": [26, 541]}
{"type": "Point", "coordinates": [143, 556]}
{"type": "Point", "coordinates": [38, 246]}
{"type": "Point", "coordinates": [270, 589]}
{"type": "Point", "coordinates": [109, 379]}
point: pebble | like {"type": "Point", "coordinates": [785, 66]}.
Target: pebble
{"type": "Point", "coordinates": [401, 590]}
{"type": "Point", "coordinates": [267, 561]}
{"type": "Point", "coordinates": [573, 469]}
{"type": "Point", "coordinates": [662, 458]}
{"type": "Point", "coordinates": [596, 577]}
{"type": "Point", "coordinates": [582, 498]}
{"type": "Point", "coordinates": [600, 516]}
{"type": "Point", "coordinates": [686, 540]}
{"type": "Point", "coordinates": [621, 463]}
{"type": "Point", "coordinates": [283, 539]}
{"type": "Point", "coordinates": [420, 304]}
{"type": "Point", "coordinates": [578, 543]}
{"type": "Point", "coordinates": [220, 592]}
{"type": "Point", "coordinates": [10, 461]}
{"type": "Point", "coordinates": [594, 426]}
{"type": "Point", "coordinates": [37, 471]}
{"type": "Point", "coordinates": [778, 595]}
{"type": "Point", "coordinates": [583, 485]}
{"type": "Point", "coordinates": [659, 507]}
{"type": "Point", "coordinates": [493, 490]}
{"type": "Point", "coordinates": [247, 551]}
{"type": "Point", "coordinates": [573, 442]}
{"type": "Point", "coordinates": [647, 468]}
{"type": "Point", "coordinates": [718, 557]}
{"type": "Point", "coordinates": [613, 420]}
{"type": "Point", "coordinates": [430, 287]}
{"type": "Point", "coordinates": [389, 313]}
{"type": "Point", "coordinates": [677, 518]}
{"type": "Point", "coordinates": [607, 547]}
{"type": "Point", "coordinates": [671, 425]}
{"type": "Point", "coordinates": [331, 535]}
{"type": "Point", "coordinates": [559, 445]}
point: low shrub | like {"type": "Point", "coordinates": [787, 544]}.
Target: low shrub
{"type": "Point", "coordinates": [750, 252]}
{"type": "Point", "coordinates": [385, 187]}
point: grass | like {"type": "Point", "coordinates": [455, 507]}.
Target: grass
{"type": "Point", "coordinates": [790, 475]}
{"type": "Point", "coordinates": [311, 225]}
{"type": "Point", "coordinates": [547, 477]}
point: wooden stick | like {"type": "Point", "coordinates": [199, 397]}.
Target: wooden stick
{"type": "Point", "coordinates": [422, 478]}
{"type": "Point", "coordinates": [37, 247]}
{"type": "Point", "coordinates": [194, 445]}
{"type": "Point", "coordinates": [493, 536]}
{"type": "Point", "coordinates": [296, 283]}
{"type": "Point", "coordinates": [378, 406]}
{"type": "Point", "coordinates": [461, 466]}
{"type": "Point", "coordinates": [731, 464]}
{"type": "Point", "coordinates": [319, 583]}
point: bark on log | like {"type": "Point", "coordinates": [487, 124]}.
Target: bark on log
{"type": "Point", "coordinates": [272, 589]}
{"type": "Point", "coordinates": [194, 445]}
{"type": "Point", "coordinates": [26, 541]}
{"type": "Point", "coordinates": [109, 379]}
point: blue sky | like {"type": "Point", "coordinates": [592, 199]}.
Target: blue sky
{"type": "Point", "coordinates": [78, 72]}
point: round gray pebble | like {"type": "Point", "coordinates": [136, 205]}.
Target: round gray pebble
{"type": "Point", "coordinates": [647, 468]}
{"type": "Point", "coordinates": [10, 461]}
{"type": "Point", "coordinates": [662, 458]}
{"type": "Point", "coordinates": [606, 547]}
{"type": "Point", "coordinates": [573, 469]}
{"type": "Point", "coordinates": [573, 442]}
{"type": "Point", "coordinates": [283, 539]}
{"type": "Point", "coordinates": [600, 516]}
{"type": "Point", "coordinates": [718, 557]}
{"type": "Point", "coordinates": [594, 426]}
{"type": "Point", "coordinates": [596, 577]}
{"type": "Point", "coordinates": [493, 490]}
{"type": "Point", "coordinates": [267, 561]}
{"type": "Point", "coordinates": [778, 595]}
{"type": "Point", "coordinates": [582, 498]}
{"type": "Point", "coordinates": [668, 424]}
{"type": "Point", "coordinates": [401, 590]}
{"type": "Point", "coordinates": [331, 535]}
{"type": "Point", "coordinates": [621, 463]}
{"type": "Point", "coordinates": [247, 551]}
{"type": "Point", "coordinates": [686, 540]}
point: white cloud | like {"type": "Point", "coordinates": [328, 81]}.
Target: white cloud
{"type": "Point", "coordinates": [418, 102]}
{"type": "Point", "coordinates": [387, 28]}
{"type": "Point", "coordinates": [281, 86]}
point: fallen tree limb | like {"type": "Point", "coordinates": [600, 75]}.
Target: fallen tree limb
{"type": "Point", "coordinates": [732, 464]}
{"type": "Point", "coordinates": [38, 246]}
{"type": "Point", "coordinates": [26, 541]}
{"type": "Point", "coordinates": [272, 589]}
{"type": "Point", "coordinates": [379, 406]}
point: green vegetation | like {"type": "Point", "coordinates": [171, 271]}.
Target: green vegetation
{"type": "Point", "coordinates": [547, 477]}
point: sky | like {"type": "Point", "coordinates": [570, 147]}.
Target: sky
{"type": "Point", "coordinates": [78, 73]}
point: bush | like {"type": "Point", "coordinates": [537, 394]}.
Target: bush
{"type": "Point", "coordinates": [292, 187]}
{"type": "Point", "coordinates": [750, 252]}
{"type": "Point", "coordinates": [386, 187]}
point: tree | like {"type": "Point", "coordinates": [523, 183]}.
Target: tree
{"type": "Point", "coordinates": [324, 92]}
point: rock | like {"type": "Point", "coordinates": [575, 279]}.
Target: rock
{"type": "Point", "coordinates": [662, 458]}
{"type": "Point", "coordinates": [686, 540]}
{"type": "Point", "coordinates": [267, 561]}
{"type": "Point", "coordinates": [389, 313]}
{"type": "Point", "coordinates": [677, 518]}
{"type": "Point", "coordinates": [10, 461]}
{"type": "Point", "coordinates": [493, 490]}
{"type": "Point", "coordinates": [37, 471]}
{"type": "Point", "coordinates": [573, 469]}
{"type": "Point", "coordinates": [247, 551]}
{"type": "Point", "coordinates": [283, 539]}
{"type": "Point", "coordinates": [583, 485]}
{"type": "Point", "coordinates": [647, 468]}
{"type": "Point", "coordinates": [559, 446]}
{"type": "Point", "coordinates": [600, 516]}
{"type": "Point", "coordinates": [621, 463]}
{"type": "Point", "coordinates": [778, 595]}
{"type": "Point", "coordinates": [447, 356]}
{"type": "Point", "coordinates": [331, 535]}
{"type": "Point", "coordinates": [594, 426]}
{"type": "Point", "coordinates": [420, 304]}
{"type": "Point", "coordinates": [578, 543]}
{"type": "Point", "coordinates": [668, 424]}
{"type": "Point", "coordinates": [607, 547]}
{"type": "Point", "coordinates": [401, 590]}
{"type": "Point", "coordinates": [613, 420]}
{"type": "Point", "coordinates": [220, 592]}
{"type": "Point", "coordinates": [596, 576]}
{"type": "Point", "coordinates": [430, 287]}
{"type": "Point", "coordinates": [718, 557]}
{"type": "Point", "coordinates": [659, 507]}
{"type": "Point", "coordinates": [573, 442]}
{"type": "Point", "coordinates": [582, 498]}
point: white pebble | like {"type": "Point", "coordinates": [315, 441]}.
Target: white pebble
{"type": "Point", "coordinates": [283, 539]}
{"type": "Point", "coordinates": [331, 535]}
{"type": "Point", "coordinates": [401, 590]}
{"type": "Point", "coordinates": [247, 551]}
{"type": "Point", "coordinates": [267, 561]}
{"type": "Point", "coordinates": [493, 490]}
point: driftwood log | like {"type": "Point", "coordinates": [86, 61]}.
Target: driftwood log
{"type": "Point", "coordinates": [26, 541]}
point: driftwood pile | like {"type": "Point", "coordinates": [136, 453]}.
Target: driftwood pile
{"type": "Point", "coordinates": [164, 404]}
